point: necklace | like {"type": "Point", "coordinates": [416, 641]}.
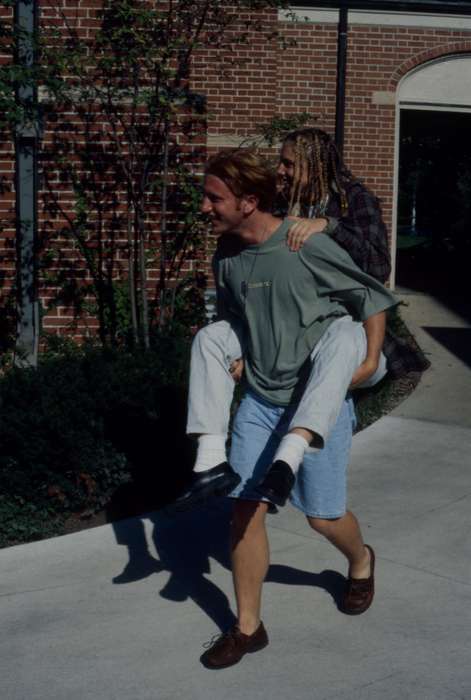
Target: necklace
{"type": "Point", "coordinates": [245, 284]}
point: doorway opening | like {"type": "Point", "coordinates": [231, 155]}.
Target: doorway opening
{"type": "Point", "coordinates": [434, 202]}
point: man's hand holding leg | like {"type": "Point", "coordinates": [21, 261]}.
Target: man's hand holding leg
{"type": "Point", "coordinates": [375, 327]}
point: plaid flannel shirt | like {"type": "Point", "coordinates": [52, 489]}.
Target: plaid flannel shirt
{"type": "Point", "coordinates": [362, 233]}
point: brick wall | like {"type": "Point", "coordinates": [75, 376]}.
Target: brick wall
{"type": "Point", "coordinates": [248, 84]}
{"type": "Point", "coordinates": [378, 58]}
{"type": "Point", "coordinates": [303, 78]}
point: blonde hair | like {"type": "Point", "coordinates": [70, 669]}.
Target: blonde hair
{"type": "Point", "coordinates": [245, 171]}
{"type": "Point", "coordinates": [317, 167]}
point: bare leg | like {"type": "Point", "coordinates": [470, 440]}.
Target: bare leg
{"type": "Point", "coordinates": [308, 435]}
{"type": "Point", "coordinates": [345, 534]}
{"type": "Point", "coordinates": [250, 561]}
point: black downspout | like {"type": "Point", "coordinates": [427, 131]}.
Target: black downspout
{"type": "Point", "coordinates": [26, 146]}
{"type": "Point", "coordinates": [341, 75]}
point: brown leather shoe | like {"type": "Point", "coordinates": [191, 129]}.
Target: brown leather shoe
{"type": "Point", "coordinates": [230, 647]}
{"type": "Point", "coordinates": [360, 591]}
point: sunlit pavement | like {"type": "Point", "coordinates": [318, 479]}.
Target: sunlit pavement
{"type": "Point", "coordinates": [123, 611]}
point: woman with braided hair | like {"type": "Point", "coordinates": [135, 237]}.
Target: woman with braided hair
{"type": "Point", "coordinates": [319, 193]}
{"type": "Point", "coordinates": [316, 164]}
{"type": "Point", "coordinates": [315, 183]}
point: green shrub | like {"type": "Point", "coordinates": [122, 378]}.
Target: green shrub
{"type": "Point", "coordinates": [8, 323]}
{"type": "Point", "coordinates": [83, 423]}
{"type": "Point", "coordinates": [88, 420]}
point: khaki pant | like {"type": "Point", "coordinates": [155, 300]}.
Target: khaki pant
{"type": "Point", "coordinates": [337, 355]}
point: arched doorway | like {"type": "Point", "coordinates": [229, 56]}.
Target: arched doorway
{"type": "Point", "coordinates": [433, 180]}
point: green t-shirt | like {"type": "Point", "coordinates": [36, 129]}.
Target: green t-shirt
{"type": "Point", "coordinates": [287, 300]}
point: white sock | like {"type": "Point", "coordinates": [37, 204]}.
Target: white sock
{"type": "Point", "coordinates": [291, 450]}
{"type": "Point", "coordinates": [211, 452]}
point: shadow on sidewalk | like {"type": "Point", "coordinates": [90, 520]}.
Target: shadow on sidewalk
{"type": "Point", "coordinates": [331, 581]}
{"type": "Point", "coordinates": [455, 340]}
{"type": "Point", "coordinates": [185, 545]}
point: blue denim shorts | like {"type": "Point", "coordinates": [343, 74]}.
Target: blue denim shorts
{"type": "Point", "coordinates": [321, 485]}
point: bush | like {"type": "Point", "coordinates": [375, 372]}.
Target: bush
{"type": "Point", "coordinates": [84, 422]}
{"type": "Point", "coordinates": [89, 420]}
{"type": "Point", "coordinates": [8, 323]}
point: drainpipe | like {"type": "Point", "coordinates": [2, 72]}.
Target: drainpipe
{"type": "Point", "coordinates": [26, 147]}
{"type": "Point", "coordinates": [341, 75]}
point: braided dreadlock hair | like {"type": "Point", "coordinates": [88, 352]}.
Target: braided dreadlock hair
{"type": "Point", "coordinates": [318, 169]}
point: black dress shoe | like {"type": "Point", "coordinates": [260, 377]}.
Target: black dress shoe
{"type": "Point", "coordinates": [277, 484]}
{"type": "Point", "coordinates": [218, 481]}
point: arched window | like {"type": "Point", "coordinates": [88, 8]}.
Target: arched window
{"type": "Point", "coordinates": [432, 219]}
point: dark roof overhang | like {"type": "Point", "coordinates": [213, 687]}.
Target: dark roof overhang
{"type": "Point", "coordinates": [451, 7]}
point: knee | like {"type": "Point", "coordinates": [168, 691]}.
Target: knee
{"type": "Point", "coordinates": [247, 515]}
{"type": "Point", "coordinates": [323, 526]}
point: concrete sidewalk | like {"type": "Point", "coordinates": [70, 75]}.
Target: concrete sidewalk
{"type": "Point", "coordinates": [122, 611]}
